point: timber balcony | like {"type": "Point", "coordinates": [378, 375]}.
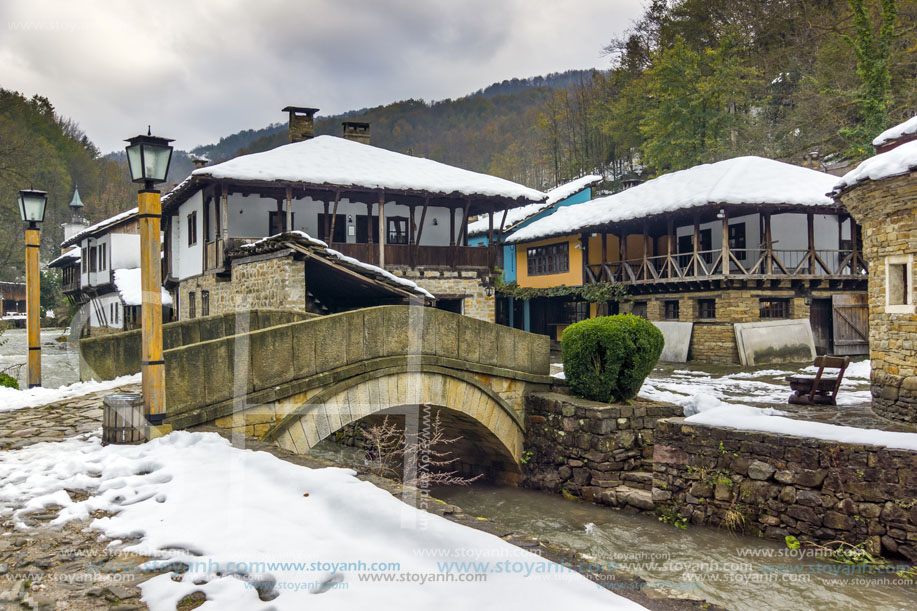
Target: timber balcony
{"type": "Point", "coordinates": [743, 264]}
{"type": "Point", "coordinates": [396, 255]}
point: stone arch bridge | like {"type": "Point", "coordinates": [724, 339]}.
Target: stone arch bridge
{"type": "Point", "coordinates": [295, 382]}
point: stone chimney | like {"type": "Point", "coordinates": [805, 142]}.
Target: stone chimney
{"type": "Point", "coordinates": [199, 161]}
{"type": "Point", "coordinates": [356, 131]}
{"type": "Point", "coordinates": [302, 124]}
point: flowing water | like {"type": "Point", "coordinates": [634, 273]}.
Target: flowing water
{"type": "Point", "coordinates": [738, 572]}
{"type": "Point", "coordinates": [60, 362]}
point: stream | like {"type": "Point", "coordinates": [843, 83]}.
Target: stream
{"type": "Point", "coordinates": [60, 361]}
{"type": "Point", "coordinates": [741, 573]}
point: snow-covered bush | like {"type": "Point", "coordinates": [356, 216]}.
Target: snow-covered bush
{"type": "Point", "coordinates": [607, 358]}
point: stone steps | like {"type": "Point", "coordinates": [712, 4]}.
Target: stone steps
{"type": "Point", "coordinates": [635, 497]}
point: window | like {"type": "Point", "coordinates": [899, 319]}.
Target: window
{"type": "Point", "coordinates": [93, 258]}
{"type": "Point", "coordinates": [340, 227]}
{"type": "Point", "coordinates": [191, 305]}
{"type": "Point", "coordinates": [770, 309]}
{"type": "Point", "coordinates": [397, 230]}
{"type": "Point", "coordinates": [899, 284]}
{"type": "Point", "coordinates": [639, 309]}
{"type": "Point", "coordinates": [737, 239]}
{"type": "Point", "coordinates": [84, 257]}
{"type": "Point", "coordinates": [706, 309]}
{"type": "Point", "coordinates": [686, 247]}
{"type": "Point", "coordinates": [103, 260]}
{"type": "Point", "coordinates": [276, 222]}
{"type": "Point", "coordinates": [551, 259]}
{"type": "Point", "coordinates": [192, 228]}
{"type": "Point", "coordinates": [575, 311]}
{"type": "Point", "coordinates": [205, 303]}
{"type": "Point", "coordinates": [671, 310]}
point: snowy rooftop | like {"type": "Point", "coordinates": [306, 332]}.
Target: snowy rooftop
{"type": "Point", "coordinates": [127, 281]}
{"type": "Point", "coordinates": [70, 256]}
{"type": "Point", "coordinates": [907, 128]}
{"type": "Point", "coordinates": [109, 222]}
{"type": "Point", "coordinates": [515, 216]}
{"type": "Point", "coordinates": [321, 248]}
{"type": "Point", "coordinates": [900, 160]}
{"type": "Point", "coordinates": [742, 180]}
{"type": "Point", "coordinates": [328, 160]}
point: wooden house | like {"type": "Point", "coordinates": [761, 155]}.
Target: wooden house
{"type": "Point", "coordinates": [737, 242]}
{"type": "Point", "coordinates": [404, 214]}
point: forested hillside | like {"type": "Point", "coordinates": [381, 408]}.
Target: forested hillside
{"type": "Point", "coordinates": [40, 148]}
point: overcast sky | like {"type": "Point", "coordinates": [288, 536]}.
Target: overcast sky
{"type": "Point", "coordinates": [199, 70]}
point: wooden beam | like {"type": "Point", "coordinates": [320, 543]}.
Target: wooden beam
{"type": "Point", "coordinates": [669, 239]}
{"type": "Point", "coordinates": [382, 229]}
{"type": "Point", "coordinates": [768, 244]}
{"type": "Point", "coordinates": [423, 217]}
{"type": "Point", "coordinates": [325, 222]}
{"type": "Point", "coordinates": [696, 244]}
{"type": "Point", "coordinates": [810, 226]}
{"type": "Point", "coordinates": [604, 255]}
{"type": "Point", "coordinates": [452, 226]}
{"type": "Point", "coordinates": [334, 215]}
{"type": "Point", "coordinates": [289, 197]}
{"type": "Point", "coordinates": [724, 256]}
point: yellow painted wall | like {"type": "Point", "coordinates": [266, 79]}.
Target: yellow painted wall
{"type": "Point", "coordinates": [574, 275]}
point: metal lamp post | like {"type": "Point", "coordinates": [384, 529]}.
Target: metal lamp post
{"type": "Point", "coordinates": [149, 157]}
{"type": "Point", "coordinates": [32, 205]}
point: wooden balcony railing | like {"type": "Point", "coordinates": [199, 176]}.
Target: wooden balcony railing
{"type": "Point", "coordinates": [742, 263]}
{"type": "Point", "coordinates": [404, 255]}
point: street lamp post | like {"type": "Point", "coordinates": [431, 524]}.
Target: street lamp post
{"type": "Point", "coordinates": [149, 157]}
{"type": "Point", "coordinates": [32, 205]}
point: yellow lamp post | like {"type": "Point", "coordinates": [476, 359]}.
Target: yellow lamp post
{"type": "Point", "coordinates": [32, 205]}
{"type": "Point", "coordinates": [149, 157]}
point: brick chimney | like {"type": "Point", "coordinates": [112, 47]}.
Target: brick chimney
{"type": "Point", "coordinates": [302, 125]}
{"type": "Point", "coordinates": [356, 131]}
{"type": "Point", "coordinates": [199, 161]}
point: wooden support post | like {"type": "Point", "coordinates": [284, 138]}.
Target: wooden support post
{"type": "Point", "coordinates": [646, 248]}
{"type": "Point", "coordinates": [604, 255]}
{"type": "Point", "coordinates": [382, 229]}
{"type": "Point", "coordinates": [855, 246]}
{"type": "Point", "coordinates": [423, 217]}
{"type": "Point", "coordinates": [622, 254]}
{"type": "Point", "coordinates": [224, 213]}
{"type": "Point", "coordinates": [152, 366]}
{"type": "Point", "coordinates": [452, 226]}
{"type": "Point", "coordinates": [669, 244]}
{"type": "Point", "coordinates": [334, 215]}
{"type": "Point", "coordinates": [810, 225]}
{"type": "Point", "coordinates": [768, 244]}
{"type": "Point", "coordinates": [32, 301]}
{"type": "Point", "coordinates": [696, 245]}
{"type": "Point", "coordinates": [325, 223]}
{"type": "Point", "coordinates": [289, 223]}
{"type": "Point", "coordinates": [584, 240]}
{"type": "Point", "coordinates": [411, 224]}
{"type": "Point", "coordinates": [724, 256]}
{"type": "Point", "coordinates": [464, 227]}
{"type": "Point", "coordinates": [490, 229]}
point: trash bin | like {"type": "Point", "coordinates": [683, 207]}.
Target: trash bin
{"type": "Point", "coordinates": [123, 421]}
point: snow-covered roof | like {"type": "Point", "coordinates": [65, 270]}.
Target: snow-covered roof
{"type": "Point", "coordinates": [514, 216]}
{"type": "Point", "coordinates": [900, 160]}
{"type": "Point", "coordinates": [109, 222]}
{"type": "Point", "coordinates": [741, 180]}
{"type": "Point", "coordinates": [127, 281]}
{"type": "Point", "coordinates": [328, 160]}
{"type": "Point", "coordinates": [71, 256]}
{"type": "Point", "coordinates": [321, 248]}
{"type": "Point", "coordinates": [907, 128]}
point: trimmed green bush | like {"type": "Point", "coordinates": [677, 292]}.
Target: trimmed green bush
{"type": "Point", "coordinates": [607, 358]}
{"type": "Point", "coordinates": [8, 381]}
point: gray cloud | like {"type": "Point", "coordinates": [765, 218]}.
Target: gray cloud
{"type": "Point", "coordinates": [200, 70]}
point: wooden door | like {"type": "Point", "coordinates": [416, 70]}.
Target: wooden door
{"type": "Point", "coordinates": [821, 319]}
{"type": "Point", "coordinates": [851, 324]}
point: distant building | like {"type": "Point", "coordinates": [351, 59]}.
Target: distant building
{"type": "Point", "coordinates": [404, 214]}
{"type": "Point", "coordinates": [881, 193]}
{"type": "Point", "coordinates": [12, 302]}
{"type": "Point", "coordinates": [509, 310]}
{"type": "Point", "coordinates": [69, 260]}
{"type": "Point", "coordinates": [744, 240]}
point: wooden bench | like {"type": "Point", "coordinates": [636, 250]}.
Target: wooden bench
{"type": "Point", "coordinates": [819, 389]}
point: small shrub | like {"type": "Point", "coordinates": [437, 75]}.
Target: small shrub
{"type": "Point", "coordinates": [607, 358]}
{"type": "Point", "coordinates": [8, 381]}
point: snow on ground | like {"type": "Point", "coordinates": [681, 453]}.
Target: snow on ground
{"type": "Point", "coordinates": [11, 398]}
{"type": "Point", "coordinates": [307, 538]}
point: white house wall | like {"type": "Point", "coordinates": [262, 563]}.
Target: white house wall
{"type": "Point", "coordinates": [188, 260]}
{"type": "Point", "coordinates": [105, 303]}
{"type": "Point", "coordinates": [124, 251]}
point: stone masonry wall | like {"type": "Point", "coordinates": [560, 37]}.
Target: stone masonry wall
{"type": "Point", "coordinates": [468, 283]}
{"type": "Point", "coordinates": [596, 451]}
{"type": "Point", "coordinates": [714, 341]}
{"type": "Point", "coordinates": [887, 211]}
{"type": "Point", "coordinates": [778, 485]}
{"type": "Point", "coordinates": [258, 282]}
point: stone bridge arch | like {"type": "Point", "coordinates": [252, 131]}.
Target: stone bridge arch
{"type": "Point", "coordinates": [496, 430]}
